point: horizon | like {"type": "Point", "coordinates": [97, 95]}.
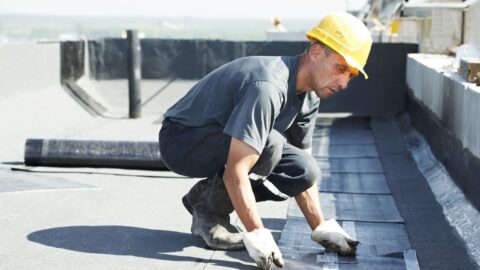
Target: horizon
{"type": "Point", "coordinates": [300, 9]}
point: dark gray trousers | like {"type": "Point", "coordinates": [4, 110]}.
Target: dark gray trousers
{"type": "Point", "coordinates": [203, 151]}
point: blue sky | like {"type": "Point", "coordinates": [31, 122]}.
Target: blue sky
{"type": "Point", "coordinates": [177, 8]}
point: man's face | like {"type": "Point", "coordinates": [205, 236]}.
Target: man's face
{"type": "Point", "coordinates": [330, 73]}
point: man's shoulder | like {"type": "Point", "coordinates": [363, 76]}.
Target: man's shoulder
{"type": "Point", "coordinates": [265, 62]}
{"type": "Point", "coordinates": [273, 69]}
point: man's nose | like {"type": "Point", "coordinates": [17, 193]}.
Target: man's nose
{"type": "Point", "coordinates": [343, 81]}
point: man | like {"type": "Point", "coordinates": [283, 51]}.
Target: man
{"type": "Point", "coordinates": [247, 126]}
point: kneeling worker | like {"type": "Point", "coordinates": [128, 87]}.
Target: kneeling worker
{"type": "Point", "coordinates": [247, 127]}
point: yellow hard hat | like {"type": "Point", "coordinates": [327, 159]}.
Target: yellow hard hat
{"type": "Point", "coordinates": [346, 35]}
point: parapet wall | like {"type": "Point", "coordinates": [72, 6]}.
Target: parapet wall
{"type": "Point", "coordinates": [472, 17]}
{"type": "Point", "coordinates": [381, 95]}
{"type": "Point", "coordinates": [446, 109]}
{"type": "Point", "coordinates": [449, 97]}
{"type": "Point", "coordinates": [33, 66]}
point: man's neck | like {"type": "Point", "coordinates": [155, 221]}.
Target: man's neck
{"type": "Point", "coordinates": [301, 75]}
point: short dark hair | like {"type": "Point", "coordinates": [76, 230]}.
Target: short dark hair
{"type": "Point", "coordinates": [326, 48]}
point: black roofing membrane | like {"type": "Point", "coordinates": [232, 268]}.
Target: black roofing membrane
{"type": "Point", "coordinates": [354, 207]}
{"type": "Point", "coordinates": [354, 190]}
{"type": "Point", "coordinates": [350, 165]}
{"type": "Point", "coordinates": [365, 183]}
{"type": "Point", "coordinates": [346, 151]}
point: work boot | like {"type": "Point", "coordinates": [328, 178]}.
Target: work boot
{"type": "Point", "coordinates": [211, 218]}
{"type": "Point", "coordinates": [192, 197]}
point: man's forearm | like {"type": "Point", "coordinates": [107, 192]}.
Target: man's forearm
{"type": "Point", "coordinates": [242, 197]}
{"type": "Point", "coordinates": [241, 158]}
{"type": "Point", "coordinates": [309, 204]}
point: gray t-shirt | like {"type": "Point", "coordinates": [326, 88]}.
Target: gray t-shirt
{"type": "Point", "coordinates": [249, 97]}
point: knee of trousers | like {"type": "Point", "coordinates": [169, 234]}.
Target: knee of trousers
{"type": "Point", "coordinates": [274, 146]}
{"type": "Point", "coordinates": [271, 154]}
{"type": "Point", "coordinates": [311, 172]}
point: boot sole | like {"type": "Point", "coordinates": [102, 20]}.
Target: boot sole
{"type": "Point", "coordinates": [187, 204]}
{"type": "Point", "coordinates": [227, 247]}
{"type": "Point", "coordinates": [212, 246]}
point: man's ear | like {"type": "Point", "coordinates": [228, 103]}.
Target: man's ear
{"type": "Point", "coordinates": [315, 51]}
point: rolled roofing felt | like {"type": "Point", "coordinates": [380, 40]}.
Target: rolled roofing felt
{"type": "Point", "coordinates": [78, 153]}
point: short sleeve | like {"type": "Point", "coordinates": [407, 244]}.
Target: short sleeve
{"type": "Point", "coordinates": [300, 133]}
{"type": "Point", "coordinates": [256, 106]}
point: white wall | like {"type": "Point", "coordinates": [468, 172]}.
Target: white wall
{"type": "Point", "coordinates": [454, 102]}
{"type": "Point", "coordinates": [472, 23]}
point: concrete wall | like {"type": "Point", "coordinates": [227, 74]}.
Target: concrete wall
{"type": "Point", "coordinates": [472, 20]}
{"type": "Point", "coordinates": [182, 59]}
{"type": "Point", "coordinates": [26, 67]}
{"type": "Point", "coordinates": [445, 109]}
{"type": "Point", "coordinates": [453, 101]}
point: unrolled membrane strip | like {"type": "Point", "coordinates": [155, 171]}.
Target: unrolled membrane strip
{"type": "Point", "coordinates": [383, 246]}
{"type": "Point", "coordinates": [365, 183]}
{"type": "Point", "coordinates": [377, 239]}
{"type": "Point", "coordinates": [345, 151]}
{"type": "Point", "coordinates": [354, 207]}
{"type": "Point", "coordinates": [350, 165]}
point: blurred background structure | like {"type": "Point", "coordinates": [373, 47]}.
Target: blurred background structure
{"type": "Point", "coordinates": [400, 152]}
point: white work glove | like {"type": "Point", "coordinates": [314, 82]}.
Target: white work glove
{"type": "Point", "coordinates": [262, 248]}
{"type": "Point", "coordinates": [332, 237]}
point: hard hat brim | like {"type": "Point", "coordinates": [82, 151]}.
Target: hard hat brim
{"type": "Point", "coordinates": [351, 62]}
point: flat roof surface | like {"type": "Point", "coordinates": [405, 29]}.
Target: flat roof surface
{"type": "Point", "coordinates": [84, 218]}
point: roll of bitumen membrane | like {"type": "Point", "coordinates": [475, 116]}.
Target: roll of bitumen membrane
{"type": "Point", "coordinates": [79, 153]}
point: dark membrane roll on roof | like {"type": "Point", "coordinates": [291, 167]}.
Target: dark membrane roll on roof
{"type": "Point", "coordinates": [78, 153]}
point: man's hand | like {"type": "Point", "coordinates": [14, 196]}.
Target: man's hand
{"type": "Point", "coordinates": [333, 238]}
{"type": "Point", "coordinates": [262, 248]}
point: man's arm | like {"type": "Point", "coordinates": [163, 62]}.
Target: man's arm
{"type": "Point", "coordinates": [309, 204]}
{"type": "Point", "coordinates": [259, 241]}
{"type": "Point", "coordinates": [327, 233]}
{"type": "Point", "coordinates": [241, 158]}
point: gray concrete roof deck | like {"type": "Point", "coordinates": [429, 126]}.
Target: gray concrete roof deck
{"type": "Point", "coordinates": [127, 221]}
{"type": "Point", "coordinates": [83, 218]}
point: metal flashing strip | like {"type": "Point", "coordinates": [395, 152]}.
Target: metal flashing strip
{"type": "Point", "coordinates": [355, 207]}
{"type": "Point", "coordinates": [365, 183]}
